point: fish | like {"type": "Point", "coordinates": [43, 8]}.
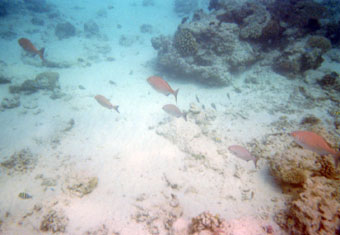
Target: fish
{"type": "Point", "coordinates": [316, 143]}
{"type": "Point", "coordinates": [174, 111]}
{"type": "Point", "coordinates": [160, 85]}
{"type": "Point", "coordinates": [27, 45]}
{"type": "Point", "coordinates": [242, 153]}
{"type": "Point", "coordinates": [198, 100]}
{"type": "Point", "coordinates": [102, 100]}
{"type": "Point", "coordinates": [24, 195]}
{"type": "Point", "coordinates": [214, 106]}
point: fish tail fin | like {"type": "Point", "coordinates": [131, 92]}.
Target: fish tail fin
{"type": "Point", "coordinates": [185, 116]}
{"type": "Point", "coordinates": [41, 53]}
{"type": "Point", "coordinates": [175, 94]}
{"type": "Point", "coordinates": [116, 108]}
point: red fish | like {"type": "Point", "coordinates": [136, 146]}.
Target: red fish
{"type": "Point", "coordinates": [174, 111]}
{"type": "Point", "coordinates": [102, 100]}
{"type": "Point", "coordinates": [242, 153]}
{"type": "Point", "coordinates": [28, 46]}
{"type": "Point", "coordinates": [160, 85]}
{"type": "Point", "coordinates": [315, 143]}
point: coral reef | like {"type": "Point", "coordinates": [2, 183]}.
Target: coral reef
{"type": "Point", "coordinates": [20, 162]}
{"type": "Point", "coordinates": [330, 81]}
{"type": "Point", "coordinates": [91, 28]}
{"type": "Point", "coordinates": [297, 59]}
{"type": "Point", "coordinates": [65, 30]}
{"type": "Point", "coordinates": [185, 43]}
{"type": "Point", "coordinates": [319, 42]}
{"type": "Point", "coordinates": [204, 50]}
{"type": "Point", "coordinates": [317, 208]}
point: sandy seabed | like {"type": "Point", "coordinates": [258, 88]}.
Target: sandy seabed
{"type": "Point", "coordinates": [147, 169]}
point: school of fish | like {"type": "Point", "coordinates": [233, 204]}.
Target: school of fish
{"type": "Point", "coordinates": [306, 139]}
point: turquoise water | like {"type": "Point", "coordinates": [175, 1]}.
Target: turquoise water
{"type": "Point", "coordinates": [89, 146]}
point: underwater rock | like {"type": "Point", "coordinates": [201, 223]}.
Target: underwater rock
{"type": "Point", "coordinates": [305, 15]}
{"type": "Point", "coordinates": [146, 28]}
{"type": "Point", "coordinates": [64, 30]}
{"type": "Point", "coordinates": [38, 6]}
{"type": "Point", "coordinates": [37, 21]}
{"type": "Point", "coordinates": [183, 8]}
{"type": "Point", "coordinates": [287, 169]}
{"type": "Point", "coordinates": [127, 41]}
{"type": "Point", "coordinates": [79, 185]}
{"type": "Point", "coordinates": [20, 162]}
{"type": "Point", "coordinates": [253, 24]}
{"type": "Point", "coordinates": [54, 222]}
{"type": "Point", "coordinates": [204, 50]}
{"type": "Point", "coordinates": [206, 222]}
{"type": "Point", "coordinates": [10, 103]}
{"type": "Point", "coordinates": [43, 81]}
{"type": "Point", "coordinates": [334, 55]}
{"type": "Point", "coordinates": [4, 79]}
{"type": "Point", "coordinates": [316, 210]}
{"type": "Point", "coordinates": [91, 28]}
{"type": "Point", "coordinates": [330, 81]}
{"type": "Point", "coordinates": [296, 59]}
{"type": "Point", "coordinates": [8, 35]}
{"type": "Point", "coordinates": [319, 42]}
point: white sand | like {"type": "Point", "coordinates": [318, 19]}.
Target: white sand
{"type": "Point", "coordinates": [135, 166]}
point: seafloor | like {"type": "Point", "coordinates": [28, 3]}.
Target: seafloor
{"type": "Point", "coordinates": [70, 166]}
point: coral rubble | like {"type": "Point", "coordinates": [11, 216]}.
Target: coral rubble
{"type": "Point", "coordinates": [20, 162]}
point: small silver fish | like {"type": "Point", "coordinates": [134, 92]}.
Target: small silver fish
{"type": "Point", "coordinates": [242, 153]}
{"type": "Point", "coordinates": [198, 100]}
{"type": "Point", "coordinates": [214, 106]}
{"type": "Point", "coordinates": [174, 111]}
{"type": "Point", "coordinates": [103, 101]}
{"type": "Point", "coordinates": [24, 195]}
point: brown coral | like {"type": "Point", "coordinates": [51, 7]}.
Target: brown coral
{"type": "Point", "coordinates": [288, 170]}
{"type": "Point", "coordinates": [319, 42]}
{"type": "Point", "coordinates": [316, 210]}
{"type": "Point", "coordinates": [327, 168]}
{"type": "Point", "coordinates": [205, 221]}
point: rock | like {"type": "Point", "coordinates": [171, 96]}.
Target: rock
{"type": "Point", "coordinates": [10, 103]}
{"type": "Point", "coordinates": [322, 43]}
{"type": "Point", "coordinates": [47, 80]}
{"type": "Point", "coordinates": [65, 30]}
{"type": "Point", "coordinates": [20, 162]}
{"type": "Point", "coordinates": [4, 79]}
{"type": "Point", "coordinates": [38, 6]}
{"type": "Point", "coordinates": [54, 222]}
{"type": "Point", "coordinates": [127, 41]}
{"type": "Point", "coordinates": [80, 184]}
{"type": "Point", "coordinates": [297, 59]}
{"type": "Point", "coordinates": [37, 21]}
{"type": "Point", "coordinates": [204, 50]}
{"type": "Point", "coordinates": [91, 28]}
{"type": "Point", "coordinates": [43, 81]}
{"type": "Point", "coordinates": [8, 35]}
{"type": "Point", "coordinates": [146, 28]}
{"type": "Point", "coordinates": [316, 210]}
